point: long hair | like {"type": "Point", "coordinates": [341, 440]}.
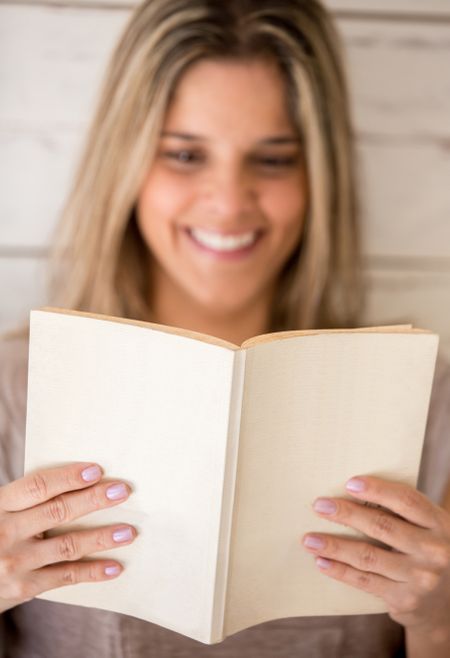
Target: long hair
{"type": "Point", "coordinates": [100, 262]}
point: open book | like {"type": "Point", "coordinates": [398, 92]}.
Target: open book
{"type": "Point", "coordinates": [225, 448]}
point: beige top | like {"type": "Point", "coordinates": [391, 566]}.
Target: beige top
{"type": "Point", "coordinates": [42, 629]}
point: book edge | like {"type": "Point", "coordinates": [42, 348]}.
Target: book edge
{"type": "Point", "coordinates": [185, 333]}
{"type": "Point", "coordinates": [382, 329]}
{"type": "Point", "coordinates": [219, 342]}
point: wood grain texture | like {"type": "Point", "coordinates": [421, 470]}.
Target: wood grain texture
{"type": "Point", "coordinates": [405, 198]}
{"type": "Point", "coordinates": [52, 62]}
{"type": "Point", "coordinates": [400, 78]}
{"type": "Point", "coordinates": [406, 8]}
{"type": "Point", "coordinates": [410, 296]}
{"type": "Point", "coordinates": [35, 171]}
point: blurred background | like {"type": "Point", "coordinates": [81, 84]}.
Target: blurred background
{"type": "Point", "coordinates": [52, 57]}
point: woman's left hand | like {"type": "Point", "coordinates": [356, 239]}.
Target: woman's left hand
{"type": "Point", "coordinates": [412, 572]}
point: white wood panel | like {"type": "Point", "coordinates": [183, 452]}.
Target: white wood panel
{"type": "Point", "coordinates": [22, 287]}
{"type": "Point", "coordinates": [35, 174]}
{"type": "Point", "coordinates": [420, 298]}
{"type": "Point", "coordinates": [400, 77]}
{"type": "Point", "coordinates": [405, 195]}
{"type": "Point", "coordinates": [406, 7]}
{"type": "Point", "coordinates": [52, 61]}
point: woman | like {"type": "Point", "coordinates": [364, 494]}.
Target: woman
{"type": "Point", "coordinates": [216, 193]}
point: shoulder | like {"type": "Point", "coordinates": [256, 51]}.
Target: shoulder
{"type": "Point", "coordinates": [435, 467]}
{"type": "Point", "coordinates": [13, 395]}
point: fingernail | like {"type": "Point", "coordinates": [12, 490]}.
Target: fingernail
{"type": "Point", "coordinates": [112, 571]}
{"type": "Point", "coordinates": [325, 506]}
{"type": "Point", "coordinates": [323, 563]}
{"type": "Point", "coordinates": [122, 534]}
{"type": "Point", "coordinates": [355, 485]}
{"type": "Point", "coordinates": [91, 473]}
{"type": "Point", "coordinates": [312, 541]}
{"type": "Point", "coordinates": [117, 492]}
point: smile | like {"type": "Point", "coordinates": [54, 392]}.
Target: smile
{"type": "Point", "coordinates": [219, 242]}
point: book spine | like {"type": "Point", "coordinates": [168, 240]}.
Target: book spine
{"type": "Point", "coordinates": [228, 492]}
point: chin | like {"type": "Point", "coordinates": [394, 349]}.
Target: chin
{"type": "Point", "coordinates": [224, 306]}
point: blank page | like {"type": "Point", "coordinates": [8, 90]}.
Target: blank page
{"type": "Point", "coordinates": [317, 410]}
{"type": "Point", "coordinates": [151, 408]}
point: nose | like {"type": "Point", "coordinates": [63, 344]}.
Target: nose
{"type": "Point", "coordinates": [230, 195]}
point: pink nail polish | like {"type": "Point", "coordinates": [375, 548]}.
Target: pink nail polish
{"type": "Point", "coordinates": [112, 571]}
{"type": "Point", "coordinates": [91, 473]}
{"type": "Point", "coordinates": [325, 506]}
{"type": "Point", "coordinates": [356, 485]}
{"type": "Point", "coordinates": [312, 541]}
{"type": "Point", "coordinates": [323, 563]}
{"type": "Point", "coordinates": [122, 534]}
{"type": "Point", "coordinates": [117, 492]}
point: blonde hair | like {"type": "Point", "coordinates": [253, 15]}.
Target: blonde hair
{"type": "Point", "coordinates": [100, 262]}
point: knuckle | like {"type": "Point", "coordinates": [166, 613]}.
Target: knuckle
{"type": "Point", "coordinates": [440, 556]}
{"type": "Point", "coordinates": [27, 591]}
{"type": "Point", "coordinates": [7, 566]}
{"type": "Point", "coordinates": [67, 547]}
{"type": "Point", "coordinates": [69, 576]}
{"type": "Point", "coordinates": [435, 553]}
{"type": "Point", "coordinates": [70, 477]}
{"type": "Point", "coordinates": [368, 557]}
{"type": "Point", "coordinates": [57, 510]}
{"type": "Point", "coordinates": [37, 487]}
{"type": "Point", "coordinates": [409, 498]}
{"type": "Point", "coordinates": [100, 540]}
{"type": "Point", "coordinates": [425, 580]}
{"type": "Point", "coordinates": [93, 572]}
{"type": "Point", "coordinates": [363, 580]}
{"type": "Point", "coordinates": [382, 524]}
{"type": "Point", "coordinates": [20, 591]}
{"type": "Point", "coordinates": [410, 603]}
{"type": "Point", "coordinates": [94, 498]}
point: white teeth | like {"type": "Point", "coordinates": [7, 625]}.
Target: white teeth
{"type": "Point", "coordinates": [223, 242]}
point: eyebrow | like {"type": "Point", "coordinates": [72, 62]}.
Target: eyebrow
{"type": "Point", "coordinates": [277, 139]}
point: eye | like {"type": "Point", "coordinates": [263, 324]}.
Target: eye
{"type": "Point", "coordinates": [183, 157]}
{"type": "Point", "coordinates": [277, 162]}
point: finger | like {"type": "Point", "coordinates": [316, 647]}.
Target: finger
{"type": "Point", "coordinates": [42, 485]}
{"type": "Point", "coordinates": [376, 523]}
{"type": "Point", "coordinates": [359, 554]}
{"type": "Point", "coordinates": [59, 575]}
{"type": "Point", "coordinates": [366, 581]}
{"type": "Point", "coordinates": [73, 546]}
{"type": "Point", "coordinates": [64, 508]}
{"type": "Point", "coordinates": [400, 498]}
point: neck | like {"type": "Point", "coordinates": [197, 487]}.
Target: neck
{"type": "Point", "coordinates": [175, 309]}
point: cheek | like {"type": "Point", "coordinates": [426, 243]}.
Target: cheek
{"type": "Point", "coordinates": [161, 201]}
{"type": "Point", "coordinates": [286, 204]}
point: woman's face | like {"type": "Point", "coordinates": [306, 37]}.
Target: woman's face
{"type": "Point", "coordinates": [222, 206]}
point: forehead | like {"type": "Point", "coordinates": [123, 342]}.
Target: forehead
{"type": "Point", "coordinates": [232, 95]}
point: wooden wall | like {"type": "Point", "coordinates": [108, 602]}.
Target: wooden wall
{"type": "Point", "coordinates": [52, 55]}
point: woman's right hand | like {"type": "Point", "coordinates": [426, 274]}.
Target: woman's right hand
{"type": "Point", "coordinates": [45, 499]}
